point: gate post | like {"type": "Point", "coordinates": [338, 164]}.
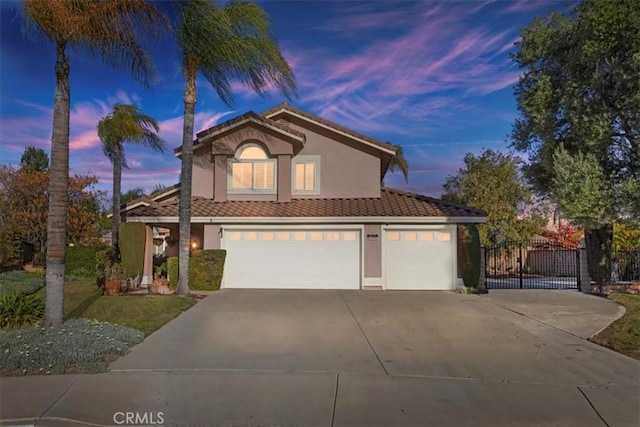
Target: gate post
{"type": "Point", "coordinates": [520, 264]}
{"type": "Point", "coordinates": [583, 270]}
{"type": "Point", "coordinates": [482, 282]}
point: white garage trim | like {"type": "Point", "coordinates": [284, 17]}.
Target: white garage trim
{"type": "Point", "coordinates": [293, 257]}
{"type": "Point", "coordinates": [429, 263]}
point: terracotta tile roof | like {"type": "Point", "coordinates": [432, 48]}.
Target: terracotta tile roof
{"type": "Point", "coordinates": [392, 203]}
{"type": "Point", "coordinates": [329, 123]}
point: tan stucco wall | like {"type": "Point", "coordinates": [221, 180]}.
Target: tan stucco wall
{"type": "Point", "coordinates": [202, 184]}
{"type": "Point", "coordinates": [211, 237]}
{"type": "Point", "coordinates": [372, 251]}
{"type": "Point", "coordinates": [345, 171]}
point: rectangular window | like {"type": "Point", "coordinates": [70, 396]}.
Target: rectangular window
{"type": "Point", "coordinates": [426, 236]}
{"type": "Point", "coordinates": [300, 235]}
{"type": "Point", "coordinates": [410, 236]}
{"type": "Point", "coordinates": [333, 235]}
{"type": "Point", "coordinates": [349, 235]}
{"type": "Point", "coordinates": [305, 176]}
{"type": "Point", "coordinates": [267, 235]}
{"type": "Point", "coordinates": [254, 175]}
{"type": "Point", "coordinates": [234, 235]}
{"type": "Point", "coordinates": [393, 235]}
{"type": "Point", "coordinates": [283, 235]}
{"type": "Point", "coordinates": [305, 171]}
{"type": "Point", "coordinates": [444, 236]}
{"type": "Point", "coordinates": [316, 235]}
{"type": "Point", "coordinates": [250, 235]}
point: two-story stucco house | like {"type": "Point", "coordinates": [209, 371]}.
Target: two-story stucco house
{"type": "Point", "coordinates": [297, 202]}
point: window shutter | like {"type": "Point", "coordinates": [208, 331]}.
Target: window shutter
{"type": "Point", "coordinates": [241, 175]}
{"type": "Point", "coordinates": [263, 177]}
{"type": "Point", "coordinates": [309, 176]}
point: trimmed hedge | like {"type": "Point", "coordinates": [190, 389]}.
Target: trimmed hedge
{"type": "Point", "coordinates": [205, 270]}
{"type": "Point", "coordinates": [469, 254]}
{"type": "Point", "coordinates": [132, 237]}
{"type": "Point", "coordinates": [80, 261]}
{"type": "Point", "coordinates": [172, 271]}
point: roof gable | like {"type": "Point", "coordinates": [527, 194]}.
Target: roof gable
{"type": "Point", "coordinates": [284, 110]}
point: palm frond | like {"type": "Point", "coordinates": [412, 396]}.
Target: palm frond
{"type": "Point", "coordinates": [398, 162]}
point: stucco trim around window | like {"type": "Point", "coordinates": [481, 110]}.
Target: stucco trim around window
{"type": "Point", "coordinates": [310, 168]}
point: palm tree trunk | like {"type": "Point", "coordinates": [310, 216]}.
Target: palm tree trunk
{"type": "Point", "coordinates": [58, 198]}
{"type": "Point", "coordinates": [185, 181]}
{"type": "Point", "coordinates": [115, 216]}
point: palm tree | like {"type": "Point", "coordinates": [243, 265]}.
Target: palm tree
{"type": "Point", "coordinates": [399, 162]}
{"type": "Point", "coordinates": [221, 43]}
{"type": "Point", "coordinates": [106, 29]}
{"type": "Point", "coordinates": [125, 125]}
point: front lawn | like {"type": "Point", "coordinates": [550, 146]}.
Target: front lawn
{"type": "Point", "coordinates": [623, 335]}
{"type": "Point", "coordinates": [144, 313]}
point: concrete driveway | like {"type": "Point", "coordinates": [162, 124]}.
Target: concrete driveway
{"type": "Point", "coordinates": [269, 357]}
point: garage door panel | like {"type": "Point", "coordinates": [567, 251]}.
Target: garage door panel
{"type": "Point", "coordinates": [419, 259]}
{"type": "Point", "coordinates": [293, 259]}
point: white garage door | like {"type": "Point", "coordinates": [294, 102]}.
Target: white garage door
{"type": "Point", "coordinates": [419, 259]}
{"type": "Point", "coordinates": [292, 259]}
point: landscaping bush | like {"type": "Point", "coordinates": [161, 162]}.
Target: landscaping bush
{"type": "Point", "coordinates": [80, 261]}
{"type": "Point", "coordinates": [468, 243]}
{"type": "Point", "coordinates": [172, 271]}
{"type": "Point", "coordinates": [21, 281]}
{"type": "Point", "coordinates": [76, 346]}
{"type": "Point", "coordinates": [18, 309]}
{"type": "Point", "coordinates": [132, 241]}
{"type": "Point", "coordinates": [205, 270]}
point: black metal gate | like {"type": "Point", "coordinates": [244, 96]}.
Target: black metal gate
{"type": "Point", "coordinates": [532, 265]}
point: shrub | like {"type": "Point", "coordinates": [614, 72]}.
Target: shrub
{"type": "Point", "coordinates": [132, 242]}
{"type": "Point", "coordinates": [18, 309]}
{"type": "Point", "coordinates": [468, 243]}
{"type": "Point", "coordinates": [205, 270]}
{"type": "Point", "coordinates": [172, 271]}
{"type": "Point", "coordinates": [78, 345]}
{"type": "Point", "coordinates": [80, 261]}
{"type": "Point", "coordinates": [21, 281]}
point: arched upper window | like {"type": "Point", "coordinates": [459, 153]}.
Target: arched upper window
{"type": "Point", "coordinates": [251, 152]}
{"type": "Point", "coordinates": [252, 171]}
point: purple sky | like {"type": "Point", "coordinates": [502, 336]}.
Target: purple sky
{"type": "Point", "coordinates": [434, 77]}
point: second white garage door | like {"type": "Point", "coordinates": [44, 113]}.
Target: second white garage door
{"type": "Point", "coordinates": [292, 259]}
{"type": "Point", "coordinates": [420, 259]}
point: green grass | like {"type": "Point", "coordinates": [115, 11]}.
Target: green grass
{"type": "Point", "coordinates": [623, 335]}
{"type": "Point", "coordinates": [145, 313]}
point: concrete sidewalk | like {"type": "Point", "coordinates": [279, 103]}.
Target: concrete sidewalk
{"type": "Point", "coordinates": [329, 358]}
{"type": "Point", "coordinates": [208, 398]}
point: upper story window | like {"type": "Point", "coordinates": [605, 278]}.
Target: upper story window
{"type": "Point", "coordinates": [306, 175]}
{"type": "Point", "coordinates": [252, 171]}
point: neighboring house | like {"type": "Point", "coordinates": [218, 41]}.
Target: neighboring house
{"type": "Point", "coordinates": [296, 201]}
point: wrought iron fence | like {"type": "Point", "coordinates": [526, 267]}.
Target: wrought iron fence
{"type": "Point", "coordinates": [536, 264]}
{"type": "Point", "coordinates": [625, 266]}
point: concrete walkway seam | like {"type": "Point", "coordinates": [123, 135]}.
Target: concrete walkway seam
{"type": "Point", "coordinates": [363, 334]}
{"type": "Point", "coordinates": [593, 407]}
{"type": "Point", "coordinates": [335, 400]}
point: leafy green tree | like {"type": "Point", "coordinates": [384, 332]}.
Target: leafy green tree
{"type": "Point", "coordinates": [399, 162]}
{"type": "Point", "coordinates": [131, 195]}
{"type": "Point", "coordinates": [579, 103]}
{"type": "Point", "coordinates": [124, 125]}
{"type": "Point", "coordinates": [106, 29]}
{"type": "Point", "coordinates": [35, 159]}
{"type": "Point", "coordinates": [232, 42]}
{"type": "Point", "coordinates": [492, 181]}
